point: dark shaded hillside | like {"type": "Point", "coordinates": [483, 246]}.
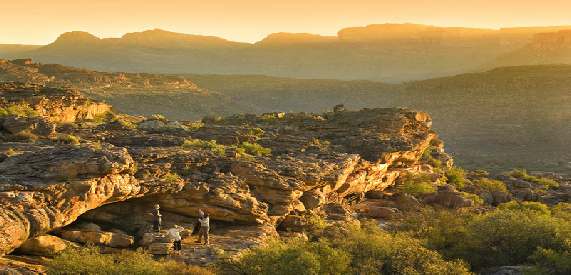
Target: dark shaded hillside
{"type": "Point", "coordinates": [518, 115]}
{"type": "Point", "coordinates": [381, 52]}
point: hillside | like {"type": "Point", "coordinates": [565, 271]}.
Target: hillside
{"type": "Point", "coordinates": [545, 48]}
{"type": "Point", "coordinates": [381, 52]}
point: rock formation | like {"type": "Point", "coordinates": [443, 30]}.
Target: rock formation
{"type": "Point", "coordinates": [256, 171]}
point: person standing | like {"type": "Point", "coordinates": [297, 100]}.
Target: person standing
{"type": "Point", "coordinates": [174, 234]}
{"type": "Point", "coordinates": [157, 218]}
{"type": "Point", "coordinates": [204, 229]}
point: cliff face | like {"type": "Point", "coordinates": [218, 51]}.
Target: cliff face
{"type": "Point", "coordinates": [245, 169]}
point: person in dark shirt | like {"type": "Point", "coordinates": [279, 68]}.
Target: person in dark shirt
{"type": "Point", "coordinates": [157, 218]}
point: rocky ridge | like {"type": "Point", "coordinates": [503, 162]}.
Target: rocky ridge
{"type": "Point", "coordinates": [256, 171]}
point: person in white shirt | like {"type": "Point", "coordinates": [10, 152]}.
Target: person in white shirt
{"type": "Point", "coordinates": [174, 234]}
{"type": "Point", "coordinates": [204, 228]}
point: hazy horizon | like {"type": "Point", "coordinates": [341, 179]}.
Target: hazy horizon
{"type": "Point", "coordinates": [252, 20]}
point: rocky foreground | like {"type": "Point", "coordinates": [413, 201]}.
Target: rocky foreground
{"type": "Point", "coordinates": [68, 162]}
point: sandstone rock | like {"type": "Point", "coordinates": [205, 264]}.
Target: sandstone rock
{"type": "Point", "coordinates": [312, 199]}
{"type": "Point", "coordinates": [376, 212]}
{"type": "Point", "coordinates": [160, 248]}
{"type": "Point", "coordinates": [317, 162]}
{"type": "Point", "coordinates": [54, 186]}
{"type": "Point", "coordinates": [99, 238]}
{"type": "Point", "coordinates": [45, 245]}
{"type": "Point", "coordinates": [34, 125]}
{"type": "Point", "coordinates": [507, 270]}
{"type": "Point", "coordinates": [447, 196]}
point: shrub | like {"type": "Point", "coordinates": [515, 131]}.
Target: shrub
{"type": "Point", "coordinates": [417, 184]}
{"type": "Point", "coordinates": [562, 211]}
{"type": "Point", "coordinates": [90, 261]}
{"type": "Point", "coordinates": [473, 197]}
{"type": "Point", "coordinates": [525, 206]}
{"type": "Point", "coordinates": [67, 139]}
{"type": "Point", "coordinates": [124, 122]}
{"type": "Point", "coordinates": [211, 145]}
{"type": "Point", "coordinates": [255, 149]}
{"type": "Point", "coordinates": [508, 235]}
{"type": "Point", "coordinates": [550, 261]}
{"type": "Point", "coordinates": [103, 118]}
{"type": "Point", "coordinates": [456, 176]}
{"type": "Point", "coordinates": [296, 257]}
{"type": "Point", "coordinates": [171, 177]}
{"type": "Point", "coordinates": [375, 251]}
{"type": "Point", "coordinates": [491, 185]}
{"type": "Point", "coordinates": [428, 158]}
{"type": "Point", "coordinates": [18, 109]}
{"type": "Point", "coordinates": [522, 174]}
{"type": "Point", "coordinates": [351, 250]}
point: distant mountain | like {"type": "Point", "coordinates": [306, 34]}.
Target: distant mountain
{"type": "Point", "coordinates": [545, 48]}
{"type": "Point", "coordinates": [383, 52]}
{"type": "Point", "coordinates": [9, 50]}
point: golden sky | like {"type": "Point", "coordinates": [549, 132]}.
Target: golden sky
{"type": "Point", "coordinates": [41, 21]}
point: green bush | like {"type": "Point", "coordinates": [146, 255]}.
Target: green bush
{"type": "Point", "coordinates": [525, 206]}
{"type": "Point", "coordinates": [428, 158]}
{"type": "Point", "coordinates": [90, 261]}
{"type": "Point", "coordinates": [522, 174]}
{"type": "Point", "coordinates": [67, 139]}
{"type": "Point", "coordinates": [550, 261]}
{"type": "Point", "coordinates": [491, 185]}
{"type": "Point", "coordinates": [374, 251]}
{"type": "Point", "coordinates": [350, 250]}
{"type": "Point", "coordinates": [171, 177]}
{"type": "Point", "coordinates": [456, 177]}
{"type": "Point", "coordinates": [211, 145]}
{"type": "Point", "coordinates": [296, 257]}
{"type": "Point", "coordinates": [255, 149]}
{"type": "Point", "coordinates": [18, 109]}
{"type": "Point", "coordinates": [417, 184]}
{"type": "Point", "coordinates": [508, 235]}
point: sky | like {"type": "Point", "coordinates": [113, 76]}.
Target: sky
{"type": "Point", "coordinates": [42, 21]}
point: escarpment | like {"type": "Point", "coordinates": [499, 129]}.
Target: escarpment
{"type": "Point", "coordinates": [255, 171]}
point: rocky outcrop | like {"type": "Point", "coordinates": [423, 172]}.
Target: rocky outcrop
{"type": "Point", "coordinates": [255, 170]}
{"type": "Point", "coordinates": [54, 105]}
{"type": "Point", "coordinates": [45, 245]}
{"type": "Point", "coordinates": [51, 187]}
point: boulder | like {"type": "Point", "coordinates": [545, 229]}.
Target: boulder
{"type": "Point", "coordinates": [35, 125]}
{"type": "Point", "coordinates": [45, 245]}
{"type": "Point", "coordinates": [449, 199]}
{"type": "Point", "coordinates": [312, 199]}
{"type": "Point", "coordinates": [160, 248]}
{"type": "Point", "coordinates": [110, 239]}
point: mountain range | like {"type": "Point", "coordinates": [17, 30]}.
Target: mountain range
{"type": "Point", "coordinates": [381, 52]}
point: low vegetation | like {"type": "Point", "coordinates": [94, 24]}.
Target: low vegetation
{"type": "Point", "coordinates": [515, 233]}
{"type": "Point", "coordinates": [255, 149]}
{"type": "Point", "coordinates": [19, 110]}
{"type": "Point", "coordinates": [89, 260]}
{"type": "Point", "coordinates": [522, 174]}
{"type": "Point", "coordinates": [417, 185]}
{"type": "Point", "coordinates": [347, 250]}
{"type": "Point", "coordinates": [171, 177]}
{"type": "Point", "coordinates": [456, 176]}
{"type": "Point", "coordinates": [211, 145]}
